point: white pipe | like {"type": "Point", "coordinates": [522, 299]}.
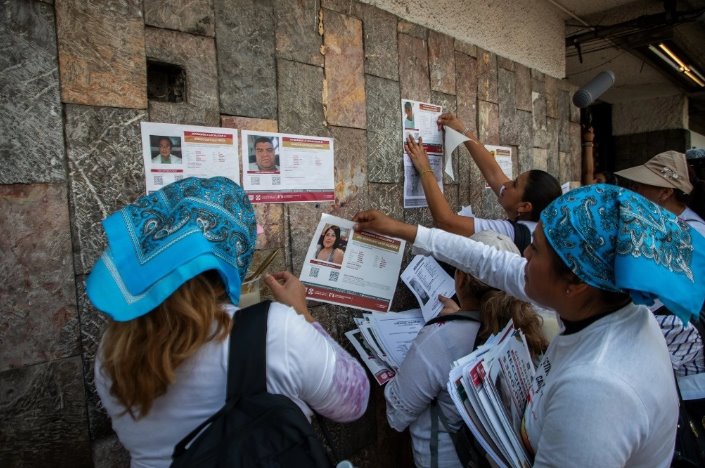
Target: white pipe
{"type": "Point", "coordinates": [569, 13]}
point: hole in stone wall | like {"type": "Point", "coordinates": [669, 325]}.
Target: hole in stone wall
{"type": "Point", "coordinates": [165, 82]}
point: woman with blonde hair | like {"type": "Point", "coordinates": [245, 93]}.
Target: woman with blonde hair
{"type": "Point", "coordinates": [170, 282]}
{"type": "Point", "coordinates": [418, 392]}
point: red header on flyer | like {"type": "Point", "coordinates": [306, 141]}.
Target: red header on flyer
{"type": "Point", "coordinates": [324, 294]}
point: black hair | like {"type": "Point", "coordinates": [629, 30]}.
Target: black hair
{"type": "Point", "coordinates": [171, 144]}
{"type": "Point", "coordinates": [695, 200]}
{"type": "Point", "coordinates": [407, 105]}
{"type": "Point", "coordinates": [540, 190]}
{"type": "Point", "coordinates": [262, 139]}
{"type": "Point", "coordinates": [336, 230]}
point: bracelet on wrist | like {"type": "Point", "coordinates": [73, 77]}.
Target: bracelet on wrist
{"type": "Point", "coordinates": [587, 144]}
{"type": "Point", "coordinates": [426, 171]}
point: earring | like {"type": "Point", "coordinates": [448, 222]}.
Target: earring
{"type": "Point", "coordinates": [567, 290]}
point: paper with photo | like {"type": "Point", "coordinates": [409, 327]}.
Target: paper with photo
{"type": "Point", "coordinates": [360, 270]}
{"type": "Point", "coordinates": [173, 152]}
{"type": "Point", "coordinates": [396, 331]}
{"type": "Point", "coordinates": [414, 196]}
{"type": "Point", "coordinates": [381, 372]}
{"type": "Point", "coordinates": [426, 280]}
{"type": "Point", "coordinates": [503, 156]}
{"type": "Point", "coordinates": [452, 139]}
{"type": "Point", "coordinates": [287, 168]}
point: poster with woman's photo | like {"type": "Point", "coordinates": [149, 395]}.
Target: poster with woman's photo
{"type": "Point", "coordinates": [285, 168]}
{"type": "Point", "coordinates": [172, 152]}
{"type": "Point", "coordinates": [354, 269]}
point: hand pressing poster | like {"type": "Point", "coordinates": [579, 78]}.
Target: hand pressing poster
{"type": "Point", "coordinates": [427, 280]}
{"type": "Point", "coordinates": [354, 269]}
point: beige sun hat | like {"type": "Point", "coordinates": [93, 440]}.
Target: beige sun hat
{"type": "Point", "coordinates": [668, 169]}
{"type": "Point", "coordinates": [499, 241]}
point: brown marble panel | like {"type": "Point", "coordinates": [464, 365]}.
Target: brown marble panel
{"type": "Point", "coordinates": [191, 16]}
{"type": "Point", "coordinates": [301, 99]}
{"type": "Point", "coordinates": [346, 7]}
{"type": "Point", "coordinates": [466, 87]}
{"type": "Point", "coordinates": [247, 70]}
{"type": "Point", "coordinates": [196, 56]}
{"type": "Point", "coordinates": [523, 87]}
{"type": "Point", "coordinates": [488, 123]}
{"type": "Point", "coordinates": [505, 63]}
{"type": "Point", "coordinates": [350, 170]}
{"type": "Point", "coordinates": [297, 34]}
{"type": "Point", "coordinates": [441, 61]}
{"type": "Point", "coordinates": [106, 171]}
{"type": "Point", "coordinates": [466, 48]}
{"type": "Point", "coordinates": [43, 413]}
{"type": "Point", "coordinates": [487, 76]}
{"type": "Point", "coordinates": [246, 123]}
{"type": "Point", "coordinates": [413, 69]}
{"type": "Point", "coordinates": [551, 97]}
{"type": "Point", "coordinates": [271, 217]}
{"type": "Point", "coordinates": [552, 147]}
{"type": "Point", "coordinates": [32, 143]}
{"type": "Point", "coordinates": [508, 128]}
{"type": "Point", "coordinates": [412, 29]}
{"type": "Point", "coordinates": [384, 132]}
{"type": "Point", "coordinates": [539, 158]}
{"type": "Point", "coordinates": [38, 317]}
{"type": "Point", "coordinates": [381, 55]}
{"type": "Point", "coordinates": [344, 86]}
{"type": "Point", "coordinates": [101, 53]}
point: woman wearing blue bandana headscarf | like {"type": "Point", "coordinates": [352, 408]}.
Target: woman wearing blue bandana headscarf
{"type": "Point", "coordinates": [170, 282]}
{"type": "Point", "coordinates": [604, 393]}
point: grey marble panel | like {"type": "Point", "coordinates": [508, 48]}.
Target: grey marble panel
{"type": "Point", "coordinates": [196, 56]}
{"type": "Point", "coordinates": [565, 167]}
{"type": "Point", "coordinates": [466, 48]}
{"type": "Point", "coordinates": [508, 128]}
{"type": "Point", "coordinates": [191, 16]}
{"type": "Point", "coordinates": [387, 198]}
{"type": "Point", "coordinates": [32, 147]}
{"type": "Point", "coordinates": [384, 132]}
{"type": "Point", "coordinates": [301, 99]}
{"type": "Point", "coordinates": [106, 171]}
{"type": "Point", "coordinates": [347, 7]}
{"type": "Point", "coordinates": [448, 102]}
{"type": "Point", "coordinates": [488, 123]}
{"type": "Point", "coordinates": [524, 124]}
{"type": "Point", "coordinates": [540, 124]}
{"type": "Point", "coordinates": [420, 216]}
{"type": "Point", "coordinates": [539, 157]}
{"type": "Point", "coordinates": [297, 35]}
{"type": "Point", "coordinates": [524, 159]}
{"type": "Point", "coordinates": [472, 183]}
{"type": "Point", "coordinates": [380, 36]}
{"type": "Point", "coordinates": [441, 58]}
{"type": "Point", "coordinates": [412, 29]}
{"type": "Point", "coordinates": [413, 68]}
{"type": "Point", "coordinates": [109, 453]}
{"type": "Point", "coordinates": [466, 88]}
{"type": "Point", "coordinates": [564, 123]}
{"type": "Point", "coordinates": [43, 415]}
{"type": "Point", "coordinates": [552, 147]}
{"type": "Point", "coordinates": [38, 317]}
{"type": "Point", "coordinates": [523, 87]}
{"type": "Point", "coordinates": [247, 75]}
{"type": "Point", "coordinates": [505, 63]}
{"type": "Point", "coordinates": [551, 87]}
{"type": "Point", "coordinates": [576, 151]}
{"type": "Point", "coordinates": [350, 170]}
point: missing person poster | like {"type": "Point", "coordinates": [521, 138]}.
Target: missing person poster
{"type": "Point", "coordinates": [172, 152]}
{"type": "Point", "coordinates": [284, 168]}
{"type": "Point", "coordinates": [354, 269]}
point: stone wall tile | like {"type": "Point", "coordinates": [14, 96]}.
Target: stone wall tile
{"type": "Point", "coordinates": [387, 198]}
{"type": "Point", "coordinates": [109, 453]}
{"type": "Point", "coordinates": [413, 69]}
{"type": "Point", "coordinates": [271, 217]}
{"type": "Point", "coordinates": [191, 16]}
{"type": "Point", "coordinates": [101, 53]}
{"type": "Point", "coordinates": [539, 158]}
{"type": "Point", "coordinates": [565, 167]}
{"type": "Point", "coordinates": [247, 77]}
{"type": "Point", "coordinates": [441, 61]}
{"type": "Point", "coordinates": [43, 414]}
{"type": "Point", "coordinates": [448, 102]}
{"type": "Point", "coordinates": [537, 75]}
{"type": "Point", "coordinates": [384, 132]}
{"type": "Point", "coordinates": [300, 99]}
{"type": "Point", "coordinates": [418, 216]}
{"type": "Point", "coordinates": [346, 7]}
{"type": "Point", "coordinates": [297, 34]}
{"type": "Point", "coordinates": [505, 63]}
{"type": "Point", "coordinates": [487, 76]}
{"type": "Point", "coordinates": [196, 56]}
{"type": "Point", "coordinates": [524, 125]}
{"type": "Point", "coordinates": [523, 87]}
{"type": "Point", "coordinates": [381, 55]}
{"type": "Point", "coordinates": [344, 87]}
{"type": "Point", "coordinates": [32, 147]}
{"type": "Point", "coordinates": [466, 87]}
{"type": "Point", "coordinates": [508, 128]}
{"type": "Point", "coordinates": [552, 147]}
{"type": "Point", "coordinates": [472, 183]}
{"type": "Point", "coordinates": [564, 123]}
{"type": "Point", "coordinates": [38, 317]}
{"type": "Point", "coordinates": [551, 89]}
{"type": "Point", "coordinates": [574, 110]}
{"type": "Point", "coordinates": [488, 123]}
{"type": "Point", "coordinates": [524, 159]}
{"type": "Point", "coordinates": [466, 48]}
{"type": "Point", "coordinates": [350, 169]}
{"type": "Point", "coordinates": [576, 151]}
{"type": "Point", "coordinates": [106, 171]}
{"type": "Point", "coordinates": [412, 29]}
{"type": "Point", "coordinates": [540, 127]}
{"type": "Point", "coordinates": [451, 194]}
{"type": "Point", "coordinates": [246, 123]}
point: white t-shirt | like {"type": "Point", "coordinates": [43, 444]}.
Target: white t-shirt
{"type": "Point", "coordinates": [303, 363]}
{"type": "Point", "coordinates": [693, 220]}
{"type": "Point", "coordinates": [422, 377]}
{"type": "Point", "coordinates": [502, 226]}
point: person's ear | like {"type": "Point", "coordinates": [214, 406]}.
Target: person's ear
{"type": "Point", "coordinates": [665, 193]}
{"type": "Point", "coordinates": [573, 289]}
{"type": "Point", "coordinates": [524, 208]}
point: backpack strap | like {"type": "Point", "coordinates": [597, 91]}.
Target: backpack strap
{"type": "Point", "coordinates": [247, 361]}
{"type": "Point", "coordinates": [473, 315]}
{"type": "Point", "coordinates": [522, 236]}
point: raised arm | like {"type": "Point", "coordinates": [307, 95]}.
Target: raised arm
{"type": "Point", "coordinates": [443, 216]}
{"type": "Point", "coordinates": [485, 161]}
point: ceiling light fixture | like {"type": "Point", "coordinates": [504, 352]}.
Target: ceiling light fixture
{"type": "Point", "coordinates": [669, 56]}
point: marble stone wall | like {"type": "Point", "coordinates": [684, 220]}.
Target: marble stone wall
{"type": "Point", "coordinates": [74, 78]}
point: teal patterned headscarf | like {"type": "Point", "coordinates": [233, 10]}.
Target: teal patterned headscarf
{"type": "Point", "coordinates": [615, 239]}
{"type": "Point", "coordinates": [166, 238]}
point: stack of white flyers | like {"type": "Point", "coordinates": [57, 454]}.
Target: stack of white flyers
{"type": "Point", "coordinates": [383, 339]}
{"type": "Point", "coordinates": [427, 280]}
{"type": "Point", "coordinates": [354, 269]}
{"type": "Point", "coordinates": [420, 120]}
{"type": "Point", "coordinates": [489, 388]}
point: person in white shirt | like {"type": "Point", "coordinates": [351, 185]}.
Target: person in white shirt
{"type": "Point", "coordinates": [170, 282]}
{"type": "Point", "coordinates": [604, 393]}
{"type": "Point", "coordinates": [165, 156]}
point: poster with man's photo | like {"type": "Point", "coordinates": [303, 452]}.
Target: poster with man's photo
{"type": "Point", "coordinates": [172, 152]}
{"type": "Point", "coordinates": [285, 168]}
{"type": "Point", "coordinates": [354, 269]}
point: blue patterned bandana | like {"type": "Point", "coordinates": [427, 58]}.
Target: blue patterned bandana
{"type": "Point", "coordinates": [617, 240]}
{"type": "Point", "coordinates": [166, 238]}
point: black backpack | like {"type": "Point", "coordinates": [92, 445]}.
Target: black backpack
{"type": "Point", "coordinates": [522, 236]}
{"type": "Point", "coordinates": [253, 428]}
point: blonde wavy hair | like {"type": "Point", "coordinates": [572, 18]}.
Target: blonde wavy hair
{"type": "Point", "coordinates": [141, 356]}
{"type": "Point", "coordinates": [497, 307]}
